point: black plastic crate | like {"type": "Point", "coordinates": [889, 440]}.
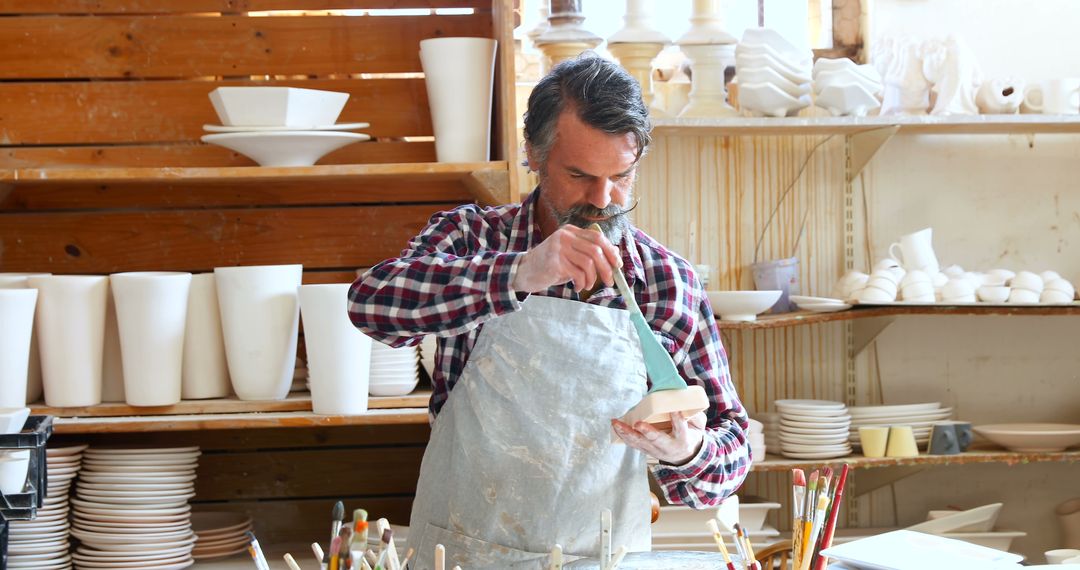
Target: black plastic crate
{"type": "Point", "coordinates": [24, 505]}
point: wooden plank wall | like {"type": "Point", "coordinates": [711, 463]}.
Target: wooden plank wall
{"type": "Point", "coordinates": [728, 201]}
{"type": "Point", "coordinates": [124, 83]}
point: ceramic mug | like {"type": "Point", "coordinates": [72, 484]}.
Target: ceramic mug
{"type": "Point", "coordinates": [943, 440]}
{"type": "Point", "coordinates": [916, 251]}
{"type": "Point", "coordinates": [873, 440]}
{"type": "Point", "coordinates": [901, 442]}
{"type": "Point", "coordinates": [1054, 97]}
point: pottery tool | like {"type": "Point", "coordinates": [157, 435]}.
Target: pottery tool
{"type": "Point", "coordinates": [360, 530]}
{"type": "Point", "coordinates": [616, 558]}
{"type": "Point", "coordinates": [440, 557]}
{"type": "Point", "coordinates": [380, 561]}
{"type": "Point", "coordinates": [386, 534]}
{"type": "Point", "coordinates": [256, 552]}
{"type": "Point", "coordinates": [669, 392]}
{"type": "Point", "coordinates": [318, 552]}
{"type": "Point", "coordinates": [408, 556]}
{"type": "Point", "coordinates": [605, 538]}
{"type": "Point", "coordinates": [337, 515]}
{"type": "Point", "coordinates": [364, 564]}
{"type": "Point", "coordinates": [555, 560]}
{"type": "Point", "coordinates": [834, 513]}
{"type": "Point", "coordinates": [335, 549]}
{"type": "Point", "coordinates": [290, 562]}
{"type": "Point", "coordinates": [719, 538]}
{"type": "Point", "coordinates": [344, 550]}
{"type": "Point", "coordinates": [369, 556]}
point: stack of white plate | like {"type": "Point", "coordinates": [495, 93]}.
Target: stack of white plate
{"type": "Point", "coordinates": [131, 508]}
{"type": "Point", "coordinates": [819, 304]}
{"type": "Point", "coordinates": [773, 75]}
{"type": "Point", "coordinates": [219, 534]}
{"type": "Point", "coordinates": [920, 417]}
{"type": "Point", "coordinates": [42, 543]}
{"type": "Point", "coordinates": [845, 88]}
{"type": "Point", "coordinates": [813, 429]}
{"type": "Point", "coordinates": [394, 371]}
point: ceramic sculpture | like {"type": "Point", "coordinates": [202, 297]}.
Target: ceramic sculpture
{"type": "Point", "coordinates": [952, 68]}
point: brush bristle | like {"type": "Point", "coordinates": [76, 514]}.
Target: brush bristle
{"type": "Point", "coordinates": [338, 514]}
{"type": "Point", "coordinates": [799, 477]}
{"type": "Point", "coordinates": [387, 535]}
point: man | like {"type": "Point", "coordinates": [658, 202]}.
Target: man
{"type": "Point", "coordinates": [529, 378]}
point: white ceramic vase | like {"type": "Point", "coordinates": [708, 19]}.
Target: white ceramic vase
{"type": "Point", "coordinates": [33, 367]}
{"type": "Point", "coordinates": [459, 74]}
{"type": "Point", "coordinates": [112, 360]}
{"type": "Point", "coordinates": [338, 355]}
{"type": "Point", "coordinates": [260, 315]}
{"type": "Point", "coordinates": [205, 373]}
{"type": "Point", "coordinates": [16, 330]}
{"type": "Point", "coordinates": [151, 310]}
{"type": "Point", "coordinates": [71, 329]}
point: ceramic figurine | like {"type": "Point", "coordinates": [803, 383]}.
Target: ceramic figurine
{"type": "Point", "coordinates": [1000, 96]}
{"type": "Point", "coordinates": [907, 91]}
{"type": "Point", "coordinates": [952, 68]}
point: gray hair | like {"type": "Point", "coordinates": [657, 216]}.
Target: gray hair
{"type": "Point", "coordinates": [605, 97]}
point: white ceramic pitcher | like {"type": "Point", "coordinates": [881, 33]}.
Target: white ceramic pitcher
{"type": "Point", "coordinates": [916, 251]}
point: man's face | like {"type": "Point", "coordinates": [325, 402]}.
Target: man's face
{"type": "Point", "coordinates": [588, 178]}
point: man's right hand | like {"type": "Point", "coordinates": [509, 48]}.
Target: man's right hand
{"type": "Point", "coordinates": [569, 254]}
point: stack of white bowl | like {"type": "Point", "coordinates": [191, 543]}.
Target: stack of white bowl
{"type": "Point", "coordinates": [755, 437]}
{"type": "Point", "coordinates": [281, 126]}
{"type": "Point", "coordinates": [131, 508]}
{"type": "Point", "coordinates": [219, 533]}
{"type": "Point", "coordinates": [773, 75]}
{"type": "Point", "coordinates": [394, 371]}
{"type": "Point", "coordinates": [845, 88]}
{"type": "Point", "coordinates": [42, 543]}
{"type": "Point", "coordinates": [813, 429]}
{"type": "Point", "coordinates": [770, 422]}
{"type": "Point", "coordinates": [920, 417]}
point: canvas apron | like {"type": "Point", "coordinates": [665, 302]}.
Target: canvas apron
{"type": "Point", "coordinates": [520, 456]}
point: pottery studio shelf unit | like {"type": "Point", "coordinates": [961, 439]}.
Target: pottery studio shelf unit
{"type": "Point", "coordinates": [975, 124]}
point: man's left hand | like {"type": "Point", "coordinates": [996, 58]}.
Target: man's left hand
{"type": "Point", "coordinates": [676, 448]}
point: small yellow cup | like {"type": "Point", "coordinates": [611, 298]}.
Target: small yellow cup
{"type": "Point", "coordinates": [873, 439]}
{"type": "Point", "coordinates": [901, 442]}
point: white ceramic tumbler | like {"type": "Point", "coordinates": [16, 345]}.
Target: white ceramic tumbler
{"type": "Point", "coordinates": [205, 373]}
{"type": "Point", "coordinates": [151, 311]}
{"type": "Point", "coordinates": [16, 329]}
{"type": "Point", "coordinates": [71, 329]}
{"type": "Point", "coordinates": [260, 316]}
{"type": "Point", "coordinates": [33, 369]}
{"type": "Point", "coordinates": [338, 354]}
{"type": "Point", "coordinates": [459, 74]}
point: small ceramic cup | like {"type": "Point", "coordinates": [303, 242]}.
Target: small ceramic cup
{"type": "Point", "coordinates": [901, 442]}
{"type": "Point", "coordinates": [1060, 555]}
{"type": "Point", "coordinates": [943, 440]}
{"type": "Point", "coordinates": [873, 440]}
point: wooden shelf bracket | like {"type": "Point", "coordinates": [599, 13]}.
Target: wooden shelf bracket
{"type": "Point", "coordinates": [490, 187]}
{"type": "Point", "coordinates": [867, 330]}
{"type": "Point", "coordinates": [864, 145]}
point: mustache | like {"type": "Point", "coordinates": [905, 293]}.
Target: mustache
{"type": "Point", "coordinates": [582, 212]}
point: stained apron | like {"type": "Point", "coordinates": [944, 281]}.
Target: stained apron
{"type": "Point", "coordinates": [520, 456]}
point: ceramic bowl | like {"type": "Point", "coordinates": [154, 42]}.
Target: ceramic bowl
{"type": "Point", "coordinates": [827, 65]}
{"type": "Point", "coordinates": [1023, 296]}
{"type": "Point", "coordinates": [750, 75]}
{"type": "Point", "coordinates": [847, 99]}
{"type": "Point", "coordinates": [277, 106]}
{"type": "Point", "coordinates": [742, 305]}
{"type": "Point", "coordinates": [1061, 286]}
{"type": "Point", "coordinates": [958, 291]}
{"type": "Point", "coordinates": [393, 388]}
{"type": "Point", "coordinates": [12, 420]}
{"type": "Point", "coordinates": [1052, 297]}
{"type": "Point", "coordinates": [1032, 437]}
{"type": "Point", "coordinates": [775, 42]}
{"type": "Point", "coordinates": [843, 77]}
{"type": "Point", "coordinates": [982, 517]}
{"type": "Point", "coordinates": [993, 293]}
{"type": "Point", "coordinates": [792, 73]}
{"type": "Point", "coordinates": [285, 148]}
{"type": "Point", "coordinates": [769, 99]}
{"type": "Point", "coordinates": [1027, 280]}
{"type": "Point", "coordinates": [13, 468]}
{"type": "Point", "coordinates": [1048, 276]}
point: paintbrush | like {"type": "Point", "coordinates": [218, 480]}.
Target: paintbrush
{"type": "Point", "coordinates": [804, 520]}
{"type": "Point", "coordinates": [335, 553]}
{"type": "Point", "coordinates": [256, 552]}
{"type": "Point", "coordinates": [320, 556]}
{"type": "Point", "coordinates": [616, 558]}
{"type": "Point", "coordinates": [834, 514]}
{"type": "Point", "coordinates": [408, 556]}
{"type": "Point", "coordinates": [440, 557]}
{"type": "Point", "coordinates": [290, 562]}
{"type": "Point", "coordinates": [605, 538]}
{"type": "Point", "coordinates": [360, 530]}
{"type": "Point", "coordinates": [741, 532]}
{"type": "Point", "coordinates": [719, 538]}
{"type": "Point", "coordinates": [344, 552]}
{"type": "Point", "coordinates": [337, 516]}
{"type": "Point", "coordinates": [555, 560]}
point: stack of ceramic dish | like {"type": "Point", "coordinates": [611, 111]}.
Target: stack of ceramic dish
{"type": "Point", "coordinates": [42, 543]}
{"type": "Point", "coordinates": [773, 75]}
{"type": "Point", "coordinates": [920, 417]}
{"type": "Point", "coordinates": [770, 422]}
{"type": "Point", "coordinates": [755, 437]}
{"type": "Point", "coordinates": [846, 88]}
{"type": "Point", "coordinates": [219, 534]}
{"type": "Point", "coordinates": [281, 126]}
{"type": "Point", "coordinates": [394, 371]}
{"type": "Point", "coordinates": [813, 429]}
{"type": "Point", "coordinates": [131, 508]}
{"type": "Point", "coordinates": [819, 304]}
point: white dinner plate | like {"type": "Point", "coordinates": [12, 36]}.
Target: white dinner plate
{"type": "Point", "coordinates": [266, 129]}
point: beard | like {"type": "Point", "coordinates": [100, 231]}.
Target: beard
{"type": "Point", "coordinates": [616, 217]}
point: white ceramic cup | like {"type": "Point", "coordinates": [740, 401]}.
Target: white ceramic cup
{"type": "Point", "coordinates": [459, 75]}
{"type": "Point", "coordinates": [14, 465]}
{"type": "Point", "coordinates": [1054, 97]}
{"type": "Point", "coordinates": [33, 368]}
{"type": "Point", "coordinates": [1061, 555]}
{"type": "Point", "coordinates": [16, 330]}
{"type": "Point", "coordinates": [151, 311]}
{"type": "Point", "coordinates": [71, 328]}
{"type": "Point", "coordinates": [916, 251]}
{"type": "Point", "coordinates": [338, 354]}
{"type": "Point", "coordinates": [260, 316]}
{"type": "Point", "coordinates": [205, 373]}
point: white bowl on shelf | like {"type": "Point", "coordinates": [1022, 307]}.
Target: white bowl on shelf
{"type": "Point", "coordinates": [769, 99]}
{"type": "Point", "coordinates": [276, 106]}
{"type": "Point", "coordinates": [843, 99]}
{"type": "Point", "coordinates": [979, 517]}
{"type": "Point", "coordinates": [1032, 437]}
{"type": "Point", "coordinates": [14, 465]}
{"type": "Point", "coordinates": [285, 148]}
{"type": "Point", "coordinates": [393, 388]}
{"type": "Point", "coordinates": [742, 305]}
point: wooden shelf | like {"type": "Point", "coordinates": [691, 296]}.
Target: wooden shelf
{"type": "Point", "coordinates": [775, 463]}
{"type": "Point", "coordinates": [230, 413]}
{"type": "Point", "coordinates": [974, 124]}
{"type": "Point", "coordinates": [866, 312]}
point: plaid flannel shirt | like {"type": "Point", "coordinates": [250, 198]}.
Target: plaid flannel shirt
{"type": "Point", "coordinates": [456, 275]}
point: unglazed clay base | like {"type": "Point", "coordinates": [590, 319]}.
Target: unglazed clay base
{"type": "Point", "coordinates": [656, 408]}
